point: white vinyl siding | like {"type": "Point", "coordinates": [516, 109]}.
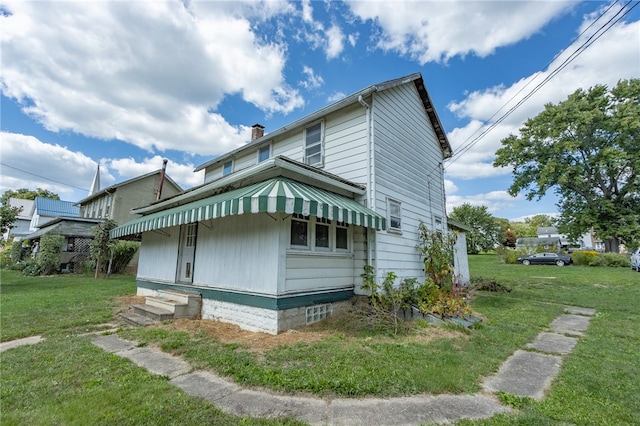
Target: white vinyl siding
{"type": "Point", "coordinates": [344, 149]}
{"type": "Point", "coordinates": [318, 271]}
{"type": "Point", "coordinates": [238, 253]}
{"type": "Point", "coordinates": [407, 169]}
{"type": "Point", "coordinates": [158, 255]}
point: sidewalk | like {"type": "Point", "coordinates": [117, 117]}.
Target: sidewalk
{"type": "Point", "coordinates": [527, 373]}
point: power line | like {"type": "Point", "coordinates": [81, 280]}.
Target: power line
{"type": "Point", "coordinates": [43, 177]}
{"type": "Point", "coordinates": [594, 37]}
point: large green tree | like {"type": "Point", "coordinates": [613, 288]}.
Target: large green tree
{"type": "Point", "coordinates": [27, 194]}
{"type": "Point", "coordinates": [486, 231]}
{"type": "Point", "coordinates": [586, 150]}
{"type": "Point", "coordinates": [8, 215]}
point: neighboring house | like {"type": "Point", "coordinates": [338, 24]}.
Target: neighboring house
{"type": "Point", "coordinates": [553, 244]}
{"type": "Point", "coordinates": [47, 209]}
{"type": "Point", "coordinates": [460, 259]}
{"type": "Point", "coordinates": [282, 228]}
{"type": "Point", "coordinates": [21, 227]}
{"type": "Point", "coordinates": [77, 233]}
{"type": "Point", "coordinates": [116, 201]}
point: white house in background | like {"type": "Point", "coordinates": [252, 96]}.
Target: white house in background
{"type": "Point", "coordinates": [20, 228]}
{"type": "Point", "coordinates": [281, 229]}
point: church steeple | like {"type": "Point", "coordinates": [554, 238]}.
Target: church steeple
{"type": "Point", "coordinates": [95, 185]}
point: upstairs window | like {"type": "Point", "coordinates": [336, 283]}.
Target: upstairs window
{"type": "Point", "coordinates": [264, 153]}
{"type": "Point", "coordinates": [107, 208]}
{"type": "Point", "coordinates": [313, 140]}
{"type": "Point", "coordinates": [227, 168]}
{"type": "Point", "coordinates": [395, 217]}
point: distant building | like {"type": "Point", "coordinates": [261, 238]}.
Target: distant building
{"type": "Point", "coordinates": [20, 227]}
{"type": "Point", "coordinates": [46, 209]}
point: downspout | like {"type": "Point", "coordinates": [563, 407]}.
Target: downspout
{"type": "Point", "coordinates": [370, 192]}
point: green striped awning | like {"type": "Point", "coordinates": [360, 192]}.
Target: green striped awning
{"type": "Point", "coordinates": [277, 195]}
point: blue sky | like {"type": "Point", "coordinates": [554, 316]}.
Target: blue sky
{"type": "Point", "coordinates": [126, 84]}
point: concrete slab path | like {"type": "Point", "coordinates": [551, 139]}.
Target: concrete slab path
{"type": "Point", "coordinates": [527, 373]}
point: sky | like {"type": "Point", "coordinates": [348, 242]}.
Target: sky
{"type": "Point", "coordinates": [125, 84]}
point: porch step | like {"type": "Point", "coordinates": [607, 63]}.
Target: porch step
{"type": "Point", "coordinates": [181, 304]}
{"type": "Point", "coordinates": [153, 312]}
{"type": "Point", "coordinates": [136, 320]}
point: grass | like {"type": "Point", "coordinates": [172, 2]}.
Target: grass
{"type": "Point", "coordinates": [597, 383]}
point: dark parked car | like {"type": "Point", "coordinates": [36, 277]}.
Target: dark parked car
{"type": "Point", "coordinates": [545, 259]}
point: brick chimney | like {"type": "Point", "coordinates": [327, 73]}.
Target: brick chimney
{"type": "Point", "coordinates": [257, 131]}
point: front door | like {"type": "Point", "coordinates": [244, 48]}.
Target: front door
{"type": "Point", "coordinates": [187, 253]}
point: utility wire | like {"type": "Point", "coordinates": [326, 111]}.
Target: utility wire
{"type": "Point", "coordinates": [42, 177]}
{"type": "Point", "coordinates": [595, 36]}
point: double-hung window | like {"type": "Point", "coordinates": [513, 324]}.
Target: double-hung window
{"type": "Point", "coordinates": [264, 153]}
{"type": "Point", "coordinates": [313, 141]}
{"type": "Point", "coordinates": [322, 233]}
{"type": "Point", "coordinates": [342, 236]}
{"type": "Point", "coordinates": [227, 168]}
{"type": "Point", "coordinates": [395, 215]}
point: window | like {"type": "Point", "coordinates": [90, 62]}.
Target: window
{"type": "Point", "coordinates": [227, 168]}
{"type": "Point", "coordinates": [342, 236]}
{"type": "Point", "coordinates": [313, 136]}
{"type": "Point", "coordinates": [264, 153]}
{"type": "Point", "coordinates": [100, 203]}
{"type": "Point", "coordinates": [300, 230]}
{"type": "Point", "coordinates": [395, 218]}
{"type": "Point", "coordinates": [107, 208]}
{"type": "Point", "coordinates": [322, 232]}
{"type": "Point", "coordinates": [192, 230]}
{"type": "Point", "coordinates": [318, 313]}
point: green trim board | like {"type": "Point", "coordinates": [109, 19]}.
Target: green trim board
{"type": "Point", "coordinates": [254, 300]}
{"type": "Point", "coordinates": [276, 195]}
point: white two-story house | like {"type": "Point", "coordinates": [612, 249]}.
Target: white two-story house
{"type": "Point", "coordinates": [281, 229]}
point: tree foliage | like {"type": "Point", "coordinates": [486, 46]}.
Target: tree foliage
{"type": "Point", "coordinates": [101, 244]}
{"type": "Point", "coordinates": [586, 150]}
{"type": "Point", "coordinates": [27, 194]}
{"type": "Point", "coordinates": [486, 231]}
{"type": "Point", "coordinates": [8, 216]}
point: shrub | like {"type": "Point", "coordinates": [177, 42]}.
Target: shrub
{"type": "Point", "coordinates": [29, 267]}
{"type": "Point", "coordinates": [510, 256]}
{"type": "Point", "coordinates": [585, 257]}
{"type": "Point", "coordinates": [49, 253]}
{"type": "Point", "coordinates": [615, 260]}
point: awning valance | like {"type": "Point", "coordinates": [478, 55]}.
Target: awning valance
{"type": "Point", "coordinates": [277, 195]}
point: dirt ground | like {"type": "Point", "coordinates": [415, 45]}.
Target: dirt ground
{"type": "Point", "coordinates": [261, 342]}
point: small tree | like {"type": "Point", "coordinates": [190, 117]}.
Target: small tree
{"type": "Point", "coordinates": [102, 244]}
{"type": "Point", "coordinates": [8, 216]}
{"type": "Point", "coordinates": [436, 250]}
{"type": "Point", "coordinates": [48, 257]}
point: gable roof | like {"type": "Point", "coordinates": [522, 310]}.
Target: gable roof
{"type": "Point", "coordinates": [55, 208]}
{"type": "Point", "coordinates": [67, 227]}
{"type": "Point", "coordinates": [417, 80]}
{"type": "Point", "coordinates": [112, 188]}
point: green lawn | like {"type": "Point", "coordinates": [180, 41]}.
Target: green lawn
{"type": "Point", "coordinates": [597, 384]}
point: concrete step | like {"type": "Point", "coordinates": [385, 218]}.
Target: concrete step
{"type": "Point", "coordinates": [153, 312]}
{"type": "Point", "coordinates": [181, 297]}
{"type": "Point", "coordinates": [136, 320]}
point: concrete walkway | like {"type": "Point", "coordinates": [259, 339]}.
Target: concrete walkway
{"type": "Point", "coordinates": [527, 373]}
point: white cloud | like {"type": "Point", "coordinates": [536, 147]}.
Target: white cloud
{"type": "Point", "coordinates": [436, 31]}
{"type": "Point", "coordinates": [182, 174]}
{"type": "Point", "coordinates": [313, 81]}
{"type": "Point", "coordinates": [613, 57]}
{"type": "Point", "coordinates": [53, 165]}
{"type": "Point", "coordinates": [335, 42]}
{"type": "Point", "coordinates": [150, 74]}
